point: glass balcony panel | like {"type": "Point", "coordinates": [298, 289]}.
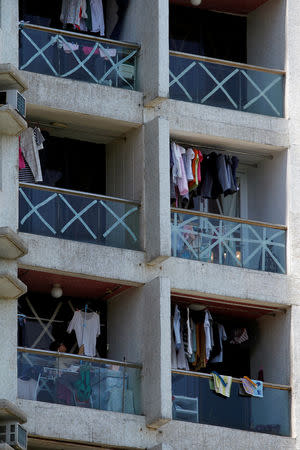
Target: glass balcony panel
{"type": "Point", "coordinates": [194, 401]}
{"type": "Point", "coordinates": [67, 55]}
{"type": "Point", "coordinates": [230, 243]}
{"type": "Point", "coordinates": [123, 234]}
{"type": "Point", "coordinates": [226, 86]}
{"type": "Point", "coordinates": [92, 219]}
{"type": "Point", "coordinates": [75, 381]}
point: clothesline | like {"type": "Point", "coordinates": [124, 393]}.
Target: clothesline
{"type": "Point", "coordinates": [222, 307]}
{"type": "Point", "coordinates": [232, 152]}
{"type": "Point", "coordinates": [41, 318]}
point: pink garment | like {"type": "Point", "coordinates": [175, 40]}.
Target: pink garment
{"type": "Point", "coordinates": [21, 158]}
{"type": "Point", "coordinates": [104, 54]}
{"type": "Point", "coordinates": [182, 182]}
{"type": "Point", "coordinates": [199, 166]}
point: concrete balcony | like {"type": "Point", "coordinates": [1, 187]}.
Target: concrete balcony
{"type": "Point", "coordinates": [79, 216]}
{"type": "Point", "coordinates": [225, 84]}
{"type": "Point", "coordinates": [75, 380]}
{"type": "Point", "coordinates": [228, 241]}
{"type": "Point", "coordinates": [95, 60]}
{"type": "Point", "coordinates": [194, 401]}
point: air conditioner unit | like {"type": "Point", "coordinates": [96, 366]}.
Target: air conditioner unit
{"type": "Point", "coordinates": [15, 99]}
{"type": "Point", "coordinates": [14, 434]}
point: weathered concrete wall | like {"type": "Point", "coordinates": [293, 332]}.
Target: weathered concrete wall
{"type": "Point", "coordinates": [9, 41]}
{"type": "Point", "coordinates": [118, 111]}
{"type": "Point", "coordinates": [220, 126]}
{"type": "Point", "coordinates": [266, 35]}
{"type": "Point", "coordinates": [90, 99]}
{"type": "Point", "coordinates": [271, 348]}
{"type": "Point", "coordinates": [125, 166]}
{"type": "Point", "coordinates": [147, 23]}
{"type": "Point", "coordinates": [157, 190]}
{"type": "Point", "coordinates": [9, 165]}
{"type": "Point", "coordinates": [89, 260]}
{"type": "Point", "coordinates": [8, 366]}
{"type": "Point", "coordinates": [125, 430]}
{"type": "Point", "coordinates": [138, 330]}
{"type": "Point", "coordinates": [267, 190]}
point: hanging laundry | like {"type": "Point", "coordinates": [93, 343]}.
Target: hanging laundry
{"type": "Point", "coordinates": [222, 337]}
{"type": "Point", "coordinates": [189, 334]}
{"type": "Point", "coordinates": [94, 20]}
{"type": "Point", "coordinates": [222, 163]}
{"type": "Point", "coordinates": [21, 158]}
{"type": "Point", "coordinates": [221, 384]}
{"type": "Point", "coordinates": [87, 328]}
{"type": "Point", "coordinates": [188, 157]}
{"type": "Point", "coordinates": [71, 12]}
{"type": "Point", "coordinates": [105, 53]}
{"type": "Point", "coordinates": [208, 328]}
{"type": "Point", "coordinates": [208, 175]}
{"type": "Point", "coordinates": [240, 335]}
{"type": "Point", "coordinates": [182, 180]}
{"type": "Point", "coordinates": [176, 328]}
{"type": "Point", "coordinates": [253, 387]}
{"type": "Point", "coordinates": [39, 138]}
{"type": "Point", "coordinates": [30, 152]}
{"type": "Point", "coordinates": [70, 47]}
{"type": "Point", "coordinates": [196, 169]}
{"type": "Point", "coordinates": [200, 357]}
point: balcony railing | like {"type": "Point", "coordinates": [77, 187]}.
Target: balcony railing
{"type": "Point", "coordinates": [78, 216]}
{"type": "Point", "coordinates": [77, 56]}
{"type": "Point", "coordinates": [74, 380]}
{"type": "Point", "coordinates": [194, 401]}
{"type": "Point", "coordinates": [224, 84]}
{"type": "Point", "coordinates": [228, 241]}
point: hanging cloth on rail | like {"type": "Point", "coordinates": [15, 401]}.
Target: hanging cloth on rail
{"type": "Point", "coordinates": [87, 328]}
{"type": "Point", "coordinates": [71, 12]}
{"type": "Point", "coordinates": [30, 151]}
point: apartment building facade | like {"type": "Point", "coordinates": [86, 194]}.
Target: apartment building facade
{"type": "Point", "coordinates": [103, 232]}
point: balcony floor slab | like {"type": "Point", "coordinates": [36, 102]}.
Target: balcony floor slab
{"type": "Point", "coordinates": [99, 262]}
{"type": "Point", "coordinates": [232, 129]}
{"type": "Point", "coordinates": [70, 423]}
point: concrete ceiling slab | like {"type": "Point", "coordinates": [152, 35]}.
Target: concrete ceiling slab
{"type": "Point", "coordinates": [228, 6]}
{"type": "Point", "coordinates": [42, 282]}
{"type": "Point", "coordinates": [83, 127]}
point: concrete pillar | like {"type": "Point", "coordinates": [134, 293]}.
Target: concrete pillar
{"type": "Point", "coordinates": [266, 25]}
{"type": "Point", "coordinates": [293, 252]}
{"type": "Point", "coordinates": [9, 42]}
{"type": "Point", "coordinates": [8, 366]}
{"type": "Point", "coordinates": [295, 364]}
{"type": "Point", "coordinates": [157, 341]}
{"type": "Point", "coordinates": [138, 323]}
{"type": "Point", "coordinates": [157, 191]}
{"type": "Point", "coordinates": [9, 177]}
{"type": "Point", "coordinates": [151, 31]}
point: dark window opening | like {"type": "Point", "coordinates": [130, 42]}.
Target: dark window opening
{"type": "Point", "coordinates": [208, 33]}
{"type": "Point", "coordinates": [73, 164]}
{"type": "Point", "coordinates": [31, 333]}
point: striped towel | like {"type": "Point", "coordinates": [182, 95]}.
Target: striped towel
{"type": "Point", "coordinates": [221, 384]}
{"type": "Point", "coordinates": [253, 387]}
{"type": "Point", "coordinates": [240, 336]}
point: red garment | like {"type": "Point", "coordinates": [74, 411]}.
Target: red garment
{"type": "Point", "coordinates": [199, 165]}
{"type": "Point", "coordinates": [21, 158]}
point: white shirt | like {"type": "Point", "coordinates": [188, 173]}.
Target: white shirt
{"type": "Point", "coordinates": [87, 329]}
{"type": "Point", "coordinates": [209, 339]}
